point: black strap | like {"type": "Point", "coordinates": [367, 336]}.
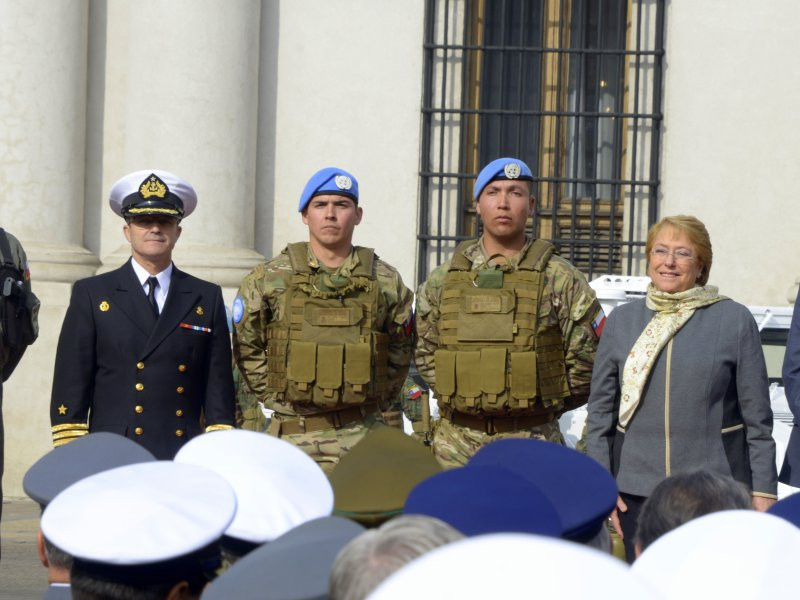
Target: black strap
{"type": "Point", "coordinates": [151, 294]}
{"type": "Point", "coordinates": [5, 250]}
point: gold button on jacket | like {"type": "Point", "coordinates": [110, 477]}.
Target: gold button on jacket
{"type": "Point", "coordinates": [139, 387]}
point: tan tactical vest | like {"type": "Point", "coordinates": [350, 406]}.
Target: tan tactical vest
{"type": "Point", "coordinates": [495, 355]}
{"type": "Point", "coordinates": [326, 350]}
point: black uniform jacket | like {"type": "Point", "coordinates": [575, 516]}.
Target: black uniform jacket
{"type": "Point", "coordinates": [119, 369]}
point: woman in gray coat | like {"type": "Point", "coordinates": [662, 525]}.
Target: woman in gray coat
{"type": "Point", "coordinates": [679, 382]}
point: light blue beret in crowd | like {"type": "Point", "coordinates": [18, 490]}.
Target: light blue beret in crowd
{"type": "Point", "coordinates": [152, 192]}
{"type": "Point", "coordinates": [67, 464]}
{"type": "Point", "coordinates": [580, 489]}
{"type": "Point", "coordinates": [501, 168]}
{"type": "Point", "coordinates": [788, 508]}
{"type": "Point", "coordinates": [277, 485]}
{"type": "Point", "coordinates": [330, 180]}
{"type": "Point", "coordinates": [485, 499]}
{"type": "Point", "coordinates": [514, 565]}
{"type": "Point", "coordinates": [296, 566]}
{"type": "Point", "coordinates": [136, 522]}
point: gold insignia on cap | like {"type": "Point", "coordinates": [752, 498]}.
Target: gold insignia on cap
{"type": "Point", "coordinates": [512, 170]}
{"type": "Point", "coordinates": [62, 410]}
{"type": "Point", "coordinates": [104, 306]}
{"type": "Point", "coordinates": [153, 186]}
{"type": "Point", "coordinates": [343, 182]}
{"type": "Point", "coordinates": [199, 310]}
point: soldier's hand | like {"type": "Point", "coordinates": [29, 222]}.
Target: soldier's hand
{"type": "Point", "coordinates": [762, 504]}
{"type": "Point", "coordinates": [621, 507]}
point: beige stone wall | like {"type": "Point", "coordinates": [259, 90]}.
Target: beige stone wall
{"type": "Point", "coordinates": [730, 150]}
{"type": "Point", "coordinates": [243, 98]}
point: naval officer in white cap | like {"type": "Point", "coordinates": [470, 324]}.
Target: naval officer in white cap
{"type": "Point", "coordinates": [148, 530]}
{"type": "Point", "coordinates": [144, 350]}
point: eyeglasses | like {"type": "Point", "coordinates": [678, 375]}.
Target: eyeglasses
{"type": "Point", "coordinates": [679, 256]}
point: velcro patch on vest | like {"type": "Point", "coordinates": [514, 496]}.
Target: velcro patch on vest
{"type": "Point", "coordinates": [329, 317]}
{"type": "Point", "coordinates": [484, 304]}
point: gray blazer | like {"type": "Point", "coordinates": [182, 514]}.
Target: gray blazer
{"type": "Point", "coordinates": [706, 404]}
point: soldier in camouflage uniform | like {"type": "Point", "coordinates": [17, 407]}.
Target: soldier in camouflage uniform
{"type": "Point", "coordinates": [507, 330]}
{"type": "Point", "coordinates": [323, 332]}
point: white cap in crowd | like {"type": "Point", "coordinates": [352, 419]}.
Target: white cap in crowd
{"type": "Point", "coordinates": [137, 516]}
{"type": "Point", "coordinates": [728, 554]}
{"type": "Point", "coordinates": [514, 565]}
{"type": "Point", "coordinates": [277, 485]}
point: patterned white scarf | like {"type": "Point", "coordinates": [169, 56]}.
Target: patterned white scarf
{"type": "Point", "coordinates": [672, 312]}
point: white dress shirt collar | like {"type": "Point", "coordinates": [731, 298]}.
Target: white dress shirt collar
{"type": "Point", "coordinates": [164, 277]}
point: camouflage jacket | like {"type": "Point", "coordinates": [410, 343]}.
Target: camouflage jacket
{"type": "Point", "coordinates": [567, 299]}
{"type": "Point", "coordinates": [263, 297]}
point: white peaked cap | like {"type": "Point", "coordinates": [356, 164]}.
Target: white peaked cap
{"type": "Point", "coordinates": [277, 486]}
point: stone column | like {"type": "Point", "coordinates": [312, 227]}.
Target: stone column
{"type": "Point", "coordinates": [43, 120]}
{"type": "Point", "coordinates": [192, 108]}
{"type": "Point", "coordinates": [43, 66]}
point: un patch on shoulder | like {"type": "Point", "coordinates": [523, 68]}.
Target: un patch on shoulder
{"type": "Point", "coordinates": [238, 309]}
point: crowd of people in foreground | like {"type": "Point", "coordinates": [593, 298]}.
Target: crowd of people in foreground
{"type": "Point", "coordinates": [239, 514]}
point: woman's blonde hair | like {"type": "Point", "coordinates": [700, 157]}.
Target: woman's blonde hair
{"type": "Point", "coordinates": [697, 234]}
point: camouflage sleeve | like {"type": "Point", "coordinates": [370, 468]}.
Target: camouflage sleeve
{"type": "Point", "coordinates": [579, 316]}
{"type": "Point", "coordinates": [399, 324]}
{"type": "Point", "coordinates": [248, 411]}
{"type": "Point", "coordinates": [251, 313]}
{"type": "Point", "coordinates": [427, 321]}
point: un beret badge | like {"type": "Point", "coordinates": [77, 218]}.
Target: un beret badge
{"type": "Point", "coordinates": [512, 170]}
{"type": "Point", "coordinates": [343, 182]}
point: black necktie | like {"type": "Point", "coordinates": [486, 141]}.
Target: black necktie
{"type": "Point", "coordinates": [151, 294]}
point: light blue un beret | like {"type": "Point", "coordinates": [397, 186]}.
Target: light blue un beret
{"type": "Point", "coordinates": [501, 168]}
{"type": "Point", "coordinates": [330, 180]}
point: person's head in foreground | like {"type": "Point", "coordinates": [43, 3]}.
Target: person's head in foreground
{"type": "Point", "coordinates": [377, 553]}
{"type": "Point", "coordinates": [743, 554]}
{"type": "Point", "coordinates": [686, 496]}
{"type": "Point", "coordinates": [148, 531]}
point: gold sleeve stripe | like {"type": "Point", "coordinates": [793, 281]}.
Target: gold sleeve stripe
{"type": "Point", "coordinates": [69, 434]}
{"type": "Point", "coordinates": [64, 440]}
{"type": "Point", "coordinates": [66, 426]}
{"type": "Point", "coordinates": [764, 495]}
{"type": "Point", "coordinates": [218, 427]}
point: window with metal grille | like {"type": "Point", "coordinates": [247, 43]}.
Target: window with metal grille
{"type": "Point", "coordinates": [573, 88]}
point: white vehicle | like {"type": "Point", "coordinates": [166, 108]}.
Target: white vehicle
{"type": "Point", "coordinates": [773, 323]}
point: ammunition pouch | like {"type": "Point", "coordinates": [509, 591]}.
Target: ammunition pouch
{"type": "Point", "coordinates": [496, 356]}
{"type": "Point", "coordinates": [326, 351]}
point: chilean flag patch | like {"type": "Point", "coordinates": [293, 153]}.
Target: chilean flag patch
{"type": "Point", "coordinates": [599, 322]}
